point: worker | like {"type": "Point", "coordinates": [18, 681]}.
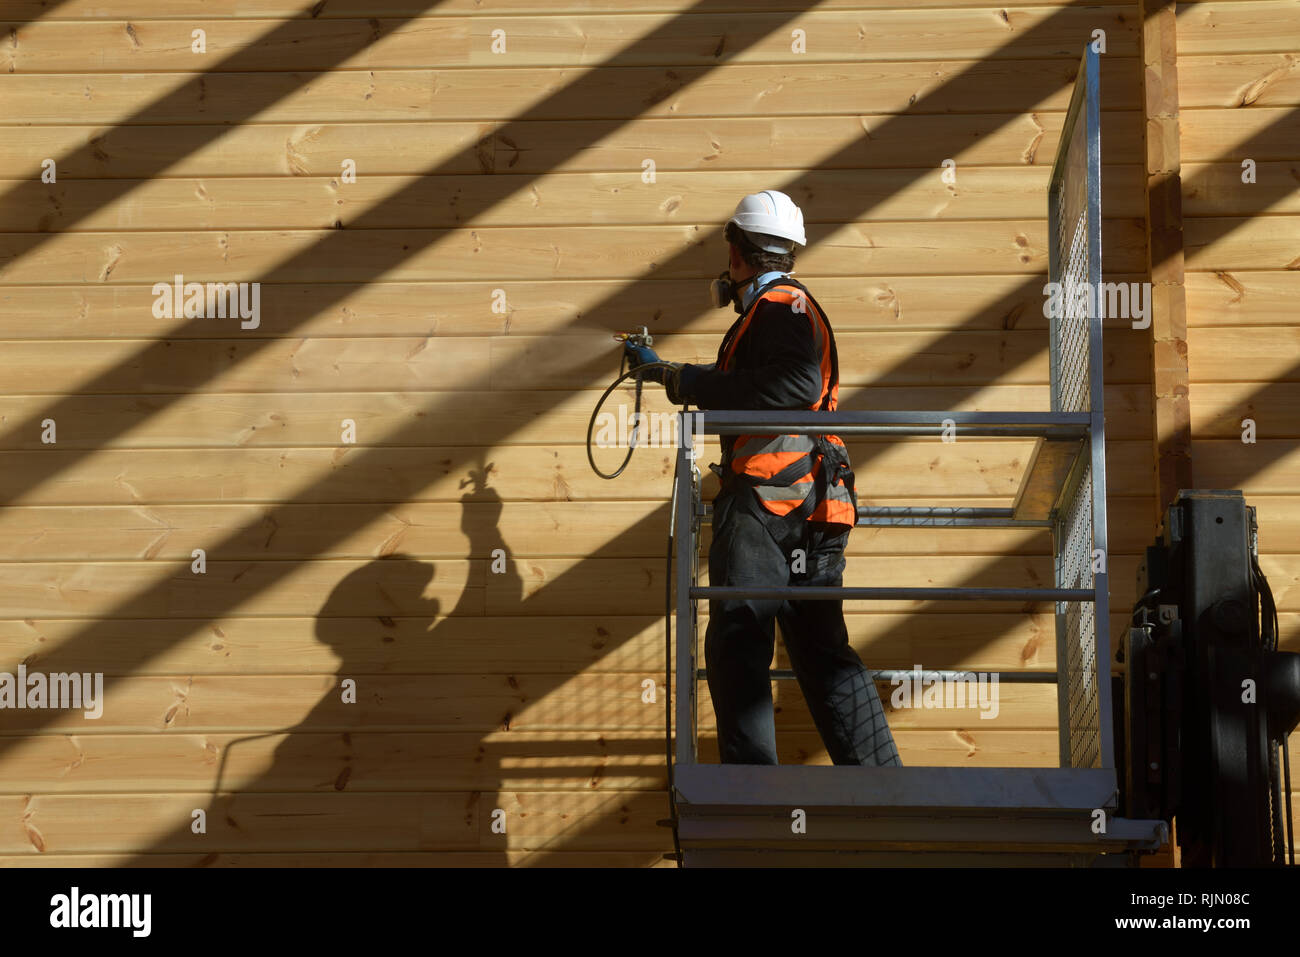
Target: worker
{"type": "Point", "coordinates": [786, 504]}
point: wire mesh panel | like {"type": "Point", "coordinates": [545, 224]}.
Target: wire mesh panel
{"type": "Point", "coordinates": [1074, 266]}
{"type": "Point", "coordinates": [1070, 338]}
{"type": "Point", "coordinates": [1077, 619]}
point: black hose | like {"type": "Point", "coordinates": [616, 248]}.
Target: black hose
{"type": "Point", "coordinates": [591, 423]}
{"type": "Point", "coordinates": [1275, 800]}
{"type": "Point", "coordinates": [668, 575]}
{"type": "Point", "coordinates": [1290, 829]}
{"type": "Point", "coordinates": [1279, 779]}
{"type": "Point", "coordinates": [1270, 609]}
{"type": "Point", "coordinates": [1273, 631]}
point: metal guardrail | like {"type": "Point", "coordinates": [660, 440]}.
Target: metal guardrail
{"type": "Point", "coordinates": [1071, 591]}
{"type": "Point", "coordinates": [1015, 677]}
{"type": "Point", "coordinates": [1077, 522]}
{"type": "Point", "coordinates": [1077, 360]}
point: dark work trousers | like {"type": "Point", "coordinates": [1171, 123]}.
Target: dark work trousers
{"type": "Point", "coordinates": [739, 641]}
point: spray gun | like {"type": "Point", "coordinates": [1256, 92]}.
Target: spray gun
{"type": "Point", "coordinates": [641, 337]}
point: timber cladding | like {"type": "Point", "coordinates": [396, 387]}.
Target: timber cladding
{"type": "Point", "coordinates": [306, 312]}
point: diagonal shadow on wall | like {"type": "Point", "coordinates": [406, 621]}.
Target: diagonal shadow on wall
{"type": "Point", "coordinates": [608, 310]}
{"type": "Point", "coordinates": [192, 98]}
{"type": "Point", "coordinates": [331, 246]}
{"type": "Point", "coordinates": [333, 749]}
{"type": "Point", "coordinates": [608, 313]}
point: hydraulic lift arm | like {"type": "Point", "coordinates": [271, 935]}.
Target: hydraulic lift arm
{"type": "Point", "coordinates": [1208, 698]}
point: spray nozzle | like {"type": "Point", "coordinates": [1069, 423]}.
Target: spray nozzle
{"type": "Point", "coordinates": [640, 337]}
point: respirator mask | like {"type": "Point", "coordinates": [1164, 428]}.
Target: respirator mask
{"type": "Point", "coordinates": [724, 291]}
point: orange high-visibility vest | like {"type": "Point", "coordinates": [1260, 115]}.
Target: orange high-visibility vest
{"type": "Point", "coordinates": [801, 474]}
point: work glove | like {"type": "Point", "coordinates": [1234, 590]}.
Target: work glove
{"type": "Point", "coordinates": [680, 381]}
{"type": "Point", "coordinates": [640, 355]}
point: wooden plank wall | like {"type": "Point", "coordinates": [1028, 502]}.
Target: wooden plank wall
{"type": "Point", "coordinates": [1240, 103]}
{"type": "Point", "coordinates": [1239, 121]}
{"type": "Point", "coordinates": [455, 303]}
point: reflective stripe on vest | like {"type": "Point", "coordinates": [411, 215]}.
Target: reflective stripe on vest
{"type": "Point", "coordinates": [761, 457]}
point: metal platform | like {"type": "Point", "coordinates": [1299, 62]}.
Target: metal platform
{"type": "Point", "coordinates": [972, 815]}
{"type": "Point", "coordinates": [856, 816]}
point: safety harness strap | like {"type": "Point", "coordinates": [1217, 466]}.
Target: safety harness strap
{"type": "Point", "coordinates": [833, 467]}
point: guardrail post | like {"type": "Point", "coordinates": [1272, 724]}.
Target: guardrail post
{"type": "Point", "coordinates": [684, 543]}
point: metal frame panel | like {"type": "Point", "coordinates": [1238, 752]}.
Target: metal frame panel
{"type": "Point", "coordinates": [684, 497]}
{"type": "Point", "coordinates": [1097, 437]}
{"type": "Point", "coordinates": [743, 857]}
{"type": "Point", "coordinates": [930, 788]}
{"type": "Point", "coordinates": [1064, 425]}
{"type": "Point", "coordinates": [829, 831]}
{"type": "Point", "coordinates": [851, 593]}
{"type": "Point", "coordinates": [712, 798]}
{"type": "Point", "coordinates": [889, 675]}
{"type": "Point", "coordinates": [1074, 258]}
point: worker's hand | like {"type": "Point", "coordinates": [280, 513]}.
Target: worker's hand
{"type": "Point", "coordinates": [680, 380]}
{"type": "Point", "coordinates": [639, 355]}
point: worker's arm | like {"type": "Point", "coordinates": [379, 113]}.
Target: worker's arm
{"type": "Point", "coordinates": [783, 370]}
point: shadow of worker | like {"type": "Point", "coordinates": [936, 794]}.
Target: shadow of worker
{"type": "Point", "coordinates": [380, 623]}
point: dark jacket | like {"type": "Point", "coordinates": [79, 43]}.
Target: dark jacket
{"type": "Point", "coordinates": [775, 366]}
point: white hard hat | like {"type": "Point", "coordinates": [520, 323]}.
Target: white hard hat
{"type": "Point", "coordinates": [770, 217]}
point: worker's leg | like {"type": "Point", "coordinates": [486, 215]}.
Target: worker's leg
{"type": "Point", "coordinates": [840, 693]}
{"type": "Point", "coordinates": [740, 638]}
